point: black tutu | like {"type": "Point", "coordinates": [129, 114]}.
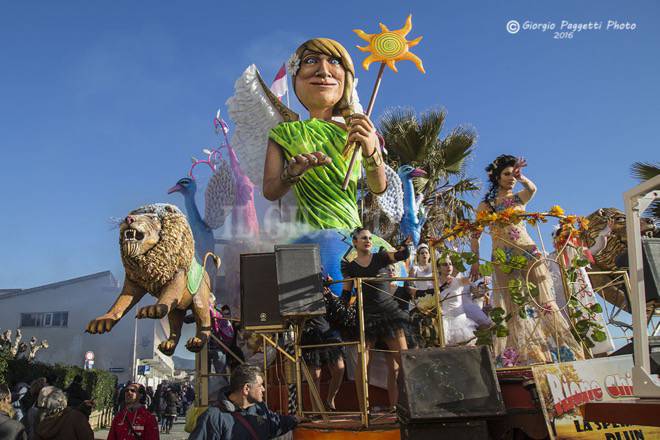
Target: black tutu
{"type": "Point", "coordinates": [382, 320]}
{"type": "Point", "coordinates": [318, 357]}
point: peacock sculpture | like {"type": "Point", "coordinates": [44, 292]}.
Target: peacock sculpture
{"type": "Point", "coordinates": [244, 223]}
{"type": "Point", "coordinates": [202, 233]}
{"type": "Point", "coordinates": [231, 189]}
{"type": "Point", "coordinates": [413, 217]}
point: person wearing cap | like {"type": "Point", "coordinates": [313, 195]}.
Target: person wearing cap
{"type": "Point", "coordinates": [134, 421]}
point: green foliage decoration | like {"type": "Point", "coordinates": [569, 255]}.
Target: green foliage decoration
{"type": "Point", "coordinates": [99, 384]}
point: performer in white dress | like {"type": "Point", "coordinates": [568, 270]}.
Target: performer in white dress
{"type": "Point", "coordinates": [458, 328]}
{"type": "Point", "coordinates": [422, 269]}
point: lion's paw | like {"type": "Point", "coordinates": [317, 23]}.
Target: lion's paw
{"type": "Point", "coordinates": [101, 324]}
{"type": "Point", "coordinates": [195, 344]}
{"type": "Point", "coordinates": [154, 311]}
{"type": "Point", "coordinates": [167, 347]}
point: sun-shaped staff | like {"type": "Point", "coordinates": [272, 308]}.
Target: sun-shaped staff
{"type": "Point", "coordinates": [390, 46]}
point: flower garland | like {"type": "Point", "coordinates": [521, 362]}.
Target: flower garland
{"type": "Point", "coordinates": [523, 292]}
{"type": "Point", "coordinates": [570, 224]}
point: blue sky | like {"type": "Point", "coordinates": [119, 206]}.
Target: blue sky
{"type": "Point", "coordinates": [103, 103]}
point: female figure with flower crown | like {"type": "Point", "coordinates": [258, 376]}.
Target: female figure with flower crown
{"type": "Point", "coordinates": [538, 333]}
{"type": "Point", "coordinates": [306, 156]}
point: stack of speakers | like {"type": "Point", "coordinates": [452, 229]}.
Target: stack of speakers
{"type": "Point", "coordinates": [279, 286]}
{"type": "Point", "coordinates": [448, 393]}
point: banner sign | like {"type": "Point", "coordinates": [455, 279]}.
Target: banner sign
{"type": "Point", "coordinates": [564, 388]}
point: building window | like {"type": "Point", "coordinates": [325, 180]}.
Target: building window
{"type": "Point", "coordinates": [45, 319]}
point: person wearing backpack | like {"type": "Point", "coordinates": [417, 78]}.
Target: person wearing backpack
{"type": "Point", "coordinates": [241, 413]}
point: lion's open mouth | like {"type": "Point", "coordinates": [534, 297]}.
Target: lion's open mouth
{"type": "Point", "coordinates": [131, 244]}
{"type": "Point", "coordinates": [133, 234]}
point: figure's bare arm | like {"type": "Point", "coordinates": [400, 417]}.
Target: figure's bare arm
{"type": "Point", "coordinates": [529, 188]}
{"type": "Point", "coordinates": [274, 187]}
{"type": "Point", "coordinates": [130, 295]}
{"type": "Point", "coordinates": [276, 183]}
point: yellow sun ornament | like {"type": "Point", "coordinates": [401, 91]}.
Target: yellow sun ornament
{"type": "Point", "coordinates": [390, 46]}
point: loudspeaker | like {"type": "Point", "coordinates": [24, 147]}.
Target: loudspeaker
{"type": "Point", "coordinates": [446, 384]}
{"type": "Point", "coordinates": [260, 308]}
{"type": "Point", "coordinates": [299, 280]}
{"type": "Point", "coordinates": [468, 430]}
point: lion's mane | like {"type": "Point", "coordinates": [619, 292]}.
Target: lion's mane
{"type": "Point", "coordinates": [173, 252]}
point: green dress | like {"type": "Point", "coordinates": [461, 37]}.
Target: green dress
{"type": "Point", "coordinates": [321, 201]}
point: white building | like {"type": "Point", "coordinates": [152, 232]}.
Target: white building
{"type": "Point", "coordinates": [59, 312]}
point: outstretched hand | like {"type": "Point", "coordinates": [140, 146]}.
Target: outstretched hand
{"type": "Point", "coordinates": [300, 163]}
{"type": "Point", "coordinates": [517, 168]}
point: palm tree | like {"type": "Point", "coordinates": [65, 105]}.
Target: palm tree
{"type": "Point", "coordinates": [415, 140]}
{"type": "Point", "coordinates": [644, 171]}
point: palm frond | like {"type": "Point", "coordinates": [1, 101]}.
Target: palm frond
{"type": "Point", "coordinates": [644, 170]}
{"type": "Point", "coordinates": [467, 185]}
{"type": "Point", "coordinates": [408, 138]}
{"type": "Point", "coordinates": [415, 139]}
{"type": "Point", "coordinates": [430, 127]}
{"type": "Point", "coordinates": [456, 147]}
{"type": "Point", "coordinates": [419, 183]}
{"type": "Point", "coordinates": [461, 188]}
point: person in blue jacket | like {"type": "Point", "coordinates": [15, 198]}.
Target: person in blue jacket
{"type": "Point", "coordinates": [240, 413]}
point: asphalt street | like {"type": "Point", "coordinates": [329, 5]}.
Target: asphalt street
{"type": "Point", "coordinates": [177, 432]}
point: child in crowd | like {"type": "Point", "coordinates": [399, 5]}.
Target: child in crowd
{"type": "Point", "coordinates": [422, 269]}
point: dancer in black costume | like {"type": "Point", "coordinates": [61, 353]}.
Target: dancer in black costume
{"type": "Point", "coordinates": [318, 331]}
{"type": "Point", "coordinates": [383, 318]}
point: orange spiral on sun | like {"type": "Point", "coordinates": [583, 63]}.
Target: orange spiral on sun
{"type": "Point", "coordinates": [390, 46]}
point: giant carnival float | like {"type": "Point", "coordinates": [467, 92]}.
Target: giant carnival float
{"type": "Point", "coordinates": [361, 290]}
